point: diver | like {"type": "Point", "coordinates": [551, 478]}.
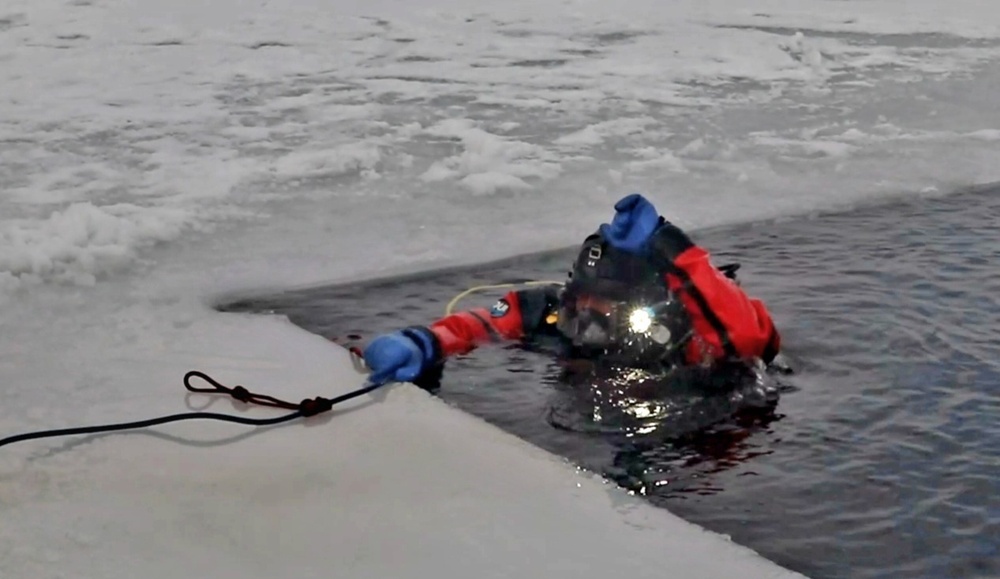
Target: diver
{"type": "Point", "coordinates": [640, 294]}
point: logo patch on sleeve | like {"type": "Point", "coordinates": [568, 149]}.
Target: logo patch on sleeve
{"type": "Point", "coordinates": [500, 309]}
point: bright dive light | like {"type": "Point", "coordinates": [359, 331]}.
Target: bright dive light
{"type": "Point", "coordinates": [640, 320]}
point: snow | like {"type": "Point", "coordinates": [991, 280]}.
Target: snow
{"type": "Point", "coordinates": [83, 242]}
{"type": "Point", "coordinates": [156, 157]}
{"type": "Point", "coordinates": [488, 163]}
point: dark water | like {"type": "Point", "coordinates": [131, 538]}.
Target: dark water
{"type": "Point", "coordinates": [882, 457]}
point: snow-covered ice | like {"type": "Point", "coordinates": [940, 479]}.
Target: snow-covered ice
{"type": "Point", "coordinates": [155, 156]}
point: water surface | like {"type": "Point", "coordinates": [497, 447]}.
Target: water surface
{"type": "Point", "coordinates": [882, 457]}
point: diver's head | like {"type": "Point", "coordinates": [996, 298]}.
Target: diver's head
{"type": "Point", "coordinates": [616, 306]}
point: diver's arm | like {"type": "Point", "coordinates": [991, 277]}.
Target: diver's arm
{"type": "Point", "coordinates": [417, 354]}
{"type": "Point", "coordinates": [517, 315]}
{"type": "Point", "coordinates": [729, 322]}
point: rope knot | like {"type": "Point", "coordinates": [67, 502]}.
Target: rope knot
{"type": "Point", "coordinates": [240, 393]}
{"type": "Point", "coordinates": [314, 406]}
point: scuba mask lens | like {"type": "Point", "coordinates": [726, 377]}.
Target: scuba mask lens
{"type": "Point", "coordinates": [595, 321]}
{"type": "Point", "coordinates": [626, 331]}
{"type": "Point", "coordinates": [593, 330]}
{"type": "Point", "coordinates": [586, 326]}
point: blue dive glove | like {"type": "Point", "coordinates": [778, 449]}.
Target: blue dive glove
{"type": "Point", "coordinates": [400, 356]}
{"type": "Point", "coordinates": [634, 223]}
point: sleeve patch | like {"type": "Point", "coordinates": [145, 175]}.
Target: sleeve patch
{"type": "Point", "coordinates": [500, 309]}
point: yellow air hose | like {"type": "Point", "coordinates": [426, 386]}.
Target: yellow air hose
{"type": "Point", "coordinates": [454, 301]}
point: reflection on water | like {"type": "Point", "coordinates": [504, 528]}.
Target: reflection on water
{"type": "Point", "coordinates": [658, 424]}
{"type": "Point", "coordinates": [633, 403]}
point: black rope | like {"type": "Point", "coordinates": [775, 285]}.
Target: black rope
{"type": "Point", "coordinates": [305, 408]}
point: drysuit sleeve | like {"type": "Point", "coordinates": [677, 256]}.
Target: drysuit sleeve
{"type": "Point", "coordinates": [727, 321]}
{"type": "Point", "coordinates": [519, 314]}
